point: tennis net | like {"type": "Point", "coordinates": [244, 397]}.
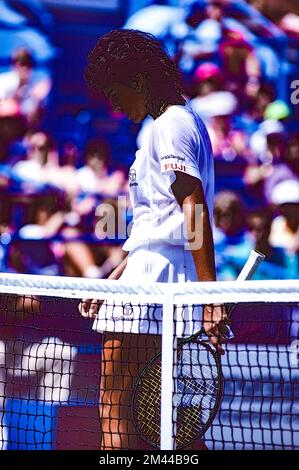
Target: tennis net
{"type": "Point", "coordinates": [62, 376]}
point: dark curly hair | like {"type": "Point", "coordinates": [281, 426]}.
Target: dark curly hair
{"type": "Point", "coordinates": [121, 54]}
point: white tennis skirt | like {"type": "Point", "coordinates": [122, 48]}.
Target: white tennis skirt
{"type": "Point", "coordinates": [153, 262]}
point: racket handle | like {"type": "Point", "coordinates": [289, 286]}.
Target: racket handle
{"type": "Point", "coordinates": [251, 265]}
{"type": "Point", "coordinates": [226, 332]}
{"type": "Point", "coordinates": [248, 270]}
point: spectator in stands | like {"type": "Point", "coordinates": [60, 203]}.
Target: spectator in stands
{"type": "Point", "coordinates": [94, 182]}
{"type": "Point", "coordinates": [41, 165]}
{"type": "Point", "coordinates": [199, 37]}
{"type": "Point", "coordinates": [36, 252]}
{"type": "Point", "coordinates": [44, 166]}
{"type": "Point", "coordinates": [206, 18]}
{"type": "Point", "coordinates": [285, 14]}
{"type": "Point", "coordinates": [207, 77]}
{"type": "Point", "coordinates": [228, 143]}
{"type": "Point", "coordinates": [279, 159]}
{"type": "Point", "coordinates": [268, 143]}
{"type": "Point", "coordinates": [23, 90]}
{"type": "Point", "coordinates": [291, 155]}
{"type": "Point", "coordinates": [285, 227]}
{"type": "Point", "coordinates": [279, 264]}
{"type": "Point", "coordinates": [256, 99]}
{"type": "Point", "coordinates": [94, 176]}
{"type": "Point", "coordinates": [67, 174]}
{"type": "Point", "coordinates": [90, 259]}
{"type": "Point", "coordinates": [32, 252]}
{"type": "Point", "coordinates": [210, 94]}
{"type": "Point", "coordinates": [286, 168]}
{"type": "Point", "coordinates": [239, 63]}
{"type": "Point", "coordinates": [232, 243]}
{"type": "Point", "coordinates": [214, 39]}
{"type": "Point", "coordinates": [70, 155]}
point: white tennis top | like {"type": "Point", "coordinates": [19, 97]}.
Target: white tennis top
{"type": "Point", "coordinates": [177, 141]}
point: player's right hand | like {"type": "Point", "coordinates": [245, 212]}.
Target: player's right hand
{"type": "Point", "coordinates": [215, 319]}
{"type": "Point", "coordinates": [89, 307]}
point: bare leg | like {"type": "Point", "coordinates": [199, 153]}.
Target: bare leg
{"type": "Point", "coordinates": [123, 358]}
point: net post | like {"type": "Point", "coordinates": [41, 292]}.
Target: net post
{"type": "Point", "coordinates": [167, 438]}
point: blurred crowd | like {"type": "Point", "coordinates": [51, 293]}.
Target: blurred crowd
{"type": "Point", "coordinates": [49, 197]}
{"type": "Point", "coordinates": [51, 191]}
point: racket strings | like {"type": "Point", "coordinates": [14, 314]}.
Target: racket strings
{"type": "Point", "coordinates": [195, 387]}
{"type": "Point", "coordinates": [195, 396]}
{"type": "Point", "coordinates": [189, 425]}
{"type": "Point", "coordinates": [202, 401]}
{"type": "Point", "coordinates": [148, 403]}
{"type": "Point", "coordinates": [203, 378]}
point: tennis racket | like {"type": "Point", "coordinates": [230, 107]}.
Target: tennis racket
{"type": "Point", "coordinates": [198, 387]}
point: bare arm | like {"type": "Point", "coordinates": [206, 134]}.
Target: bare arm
{"type": "Point", "coordinates": [189, 193]}
{"type": "Point", "coordinates": [117, 272]}
{"type": "Point", "coordinates": [53, 224]}
{"type": "Point", "coordinates": [90, 307]}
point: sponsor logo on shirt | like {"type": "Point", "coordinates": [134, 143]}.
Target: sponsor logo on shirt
{"type": "Point", "coordinates": [174, 166]}
{"type": "Point", "coordinates": [132, 177]}
{"type": "Point", "coordinates": [167, 157]}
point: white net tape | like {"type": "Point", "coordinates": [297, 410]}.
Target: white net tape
{"type": "Point", "coordinates": [183, 293]}
{"type": "Point", "coordinates": [50, 355]}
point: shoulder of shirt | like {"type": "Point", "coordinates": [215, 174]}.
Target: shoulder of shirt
{"type": "Point", "coordinates": [176, 114]}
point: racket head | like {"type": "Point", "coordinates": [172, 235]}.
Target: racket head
{"type": "Point", "coordinates": [197, 396]}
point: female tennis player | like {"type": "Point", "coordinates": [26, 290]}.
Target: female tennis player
{"type": "Point", "coordinates": [171, 191]}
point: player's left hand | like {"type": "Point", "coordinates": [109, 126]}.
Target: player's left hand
{"type": "Point", "coordinates": [89, 307]}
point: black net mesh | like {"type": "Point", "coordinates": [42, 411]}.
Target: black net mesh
{"type": "Point", "coordinates": [65, 386]}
